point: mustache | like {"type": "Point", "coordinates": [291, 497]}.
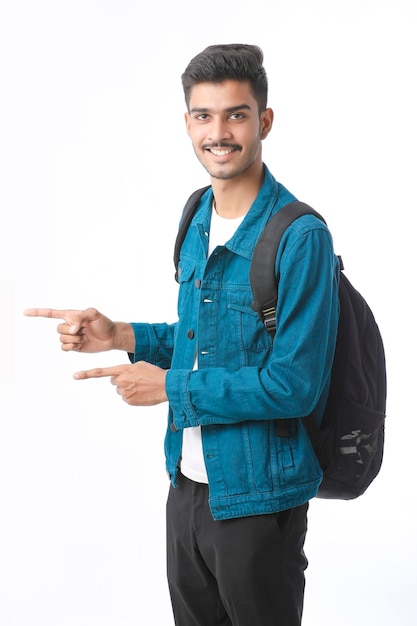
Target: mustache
{"type": "Point", "coordinates": [221, 144]}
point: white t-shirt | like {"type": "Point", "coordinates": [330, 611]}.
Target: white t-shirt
{"type": "Point", "coordinates": [192, 458]}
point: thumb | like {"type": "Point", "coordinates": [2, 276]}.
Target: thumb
{"type": "Point", "coordinates": [81, 317]}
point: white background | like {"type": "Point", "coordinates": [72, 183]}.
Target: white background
{"type": "Point", "coordinates": [95, 168]}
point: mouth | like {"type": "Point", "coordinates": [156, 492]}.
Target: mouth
{"type": "Point", "coordinates": [221, 151]}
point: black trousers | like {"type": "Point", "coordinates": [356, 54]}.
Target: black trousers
{"type": "Point", "coordinates": [247, 571]}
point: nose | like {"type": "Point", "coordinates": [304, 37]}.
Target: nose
{"type": "Point", "coordinates": [219, 130]}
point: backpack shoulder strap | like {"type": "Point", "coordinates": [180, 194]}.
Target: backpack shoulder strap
{"type": "Point", "coordinates": [263, 279]}
{"type": "Point", "coordinates": [187, 215]}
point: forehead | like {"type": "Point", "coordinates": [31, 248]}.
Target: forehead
{"type": "Point", "coordinates": [221, 96]}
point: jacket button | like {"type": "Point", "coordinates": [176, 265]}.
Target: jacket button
{"type": "Point", "coordinates": [197, 283]}
{"type": "Point", "coordinates": [190, 334]}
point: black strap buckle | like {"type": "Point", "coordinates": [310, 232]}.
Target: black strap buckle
{"type": "Point", "coordinates": [270, 319]}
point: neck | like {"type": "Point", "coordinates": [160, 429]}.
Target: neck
{"type": "Point", "coordinates": [234, 197]}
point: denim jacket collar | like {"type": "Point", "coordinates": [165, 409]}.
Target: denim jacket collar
{"type": "Point", "coordinates": [245, 238]}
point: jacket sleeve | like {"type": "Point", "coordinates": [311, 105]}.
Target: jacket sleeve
{"type": "Point", "coordinates": [297, 374]}
{"type": "Point", "coordinates": [154, 343]}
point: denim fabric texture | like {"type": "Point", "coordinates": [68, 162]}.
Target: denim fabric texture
{"type": "Point", "coordinates": [244, 382]}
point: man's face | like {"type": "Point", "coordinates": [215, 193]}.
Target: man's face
{"type": "Point", "coordinates": [225, 127]}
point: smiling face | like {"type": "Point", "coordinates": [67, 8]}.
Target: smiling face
{"type": "Point", "coordinates": [226, 128]}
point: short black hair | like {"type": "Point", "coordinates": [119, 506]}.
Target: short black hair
{"type": "Point", "coordinates": [217, 63]}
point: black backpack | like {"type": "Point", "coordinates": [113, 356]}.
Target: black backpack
{"type": "Point", "coordinates": [350, 440]}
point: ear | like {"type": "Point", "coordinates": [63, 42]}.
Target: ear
{"type": "Point", "coordinates": [266, 121]}
{"type": "Point", "coordinates": [187, 119]}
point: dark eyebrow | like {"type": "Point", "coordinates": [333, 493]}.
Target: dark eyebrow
{"type": "Point", "coordinates": [228, 110]}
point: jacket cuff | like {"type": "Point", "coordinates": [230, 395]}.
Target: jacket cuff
{"type": "Point", "coordinates": [143, 343]}
{"type": "Point", "coordinates": [176, 386]}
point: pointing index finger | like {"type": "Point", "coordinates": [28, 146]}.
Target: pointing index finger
{"type": "Point", "coordinates": [51, 313]}
{"type": "Point", "coordinates": [97, 372]}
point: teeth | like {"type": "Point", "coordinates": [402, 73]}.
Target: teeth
{"type": "Point", "coordinates": [219, 152]}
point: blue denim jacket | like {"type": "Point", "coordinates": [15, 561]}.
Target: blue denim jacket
{"type": "Point", "coordinates": [244, 384]}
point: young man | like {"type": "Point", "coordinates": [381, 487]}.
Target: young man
{"type": "Point", "coordinates": [240, 484]}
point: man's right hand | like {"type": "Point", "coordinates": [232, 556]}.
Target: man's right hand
{"type": "Point", "coordinates": [82, 331]}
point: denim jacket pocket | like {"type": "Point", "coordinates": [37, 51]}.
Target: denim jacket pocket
{"type": "Point", "coordinates": [186, 274]}
{"type": "Point", "coordinates": [248, 332]}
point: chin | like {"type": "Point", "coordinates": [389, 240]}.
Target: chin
{"type": "Point", "coordinates": [222, 175]}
